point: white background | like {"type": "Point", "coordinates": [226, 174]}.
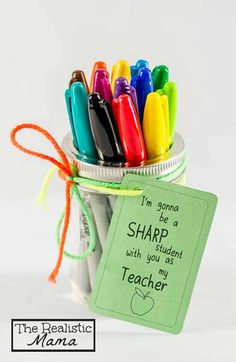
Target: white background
{"type": "Point", "coordinates": [42, 42]}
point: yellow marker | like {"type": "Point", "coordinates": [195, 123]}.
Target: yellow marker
{"type": "Point", "coordinates": [165, 106]}
{"type": "Point", "coordinates": [154, 126]}
{"type": "Point", "coordinates": [120, 69]}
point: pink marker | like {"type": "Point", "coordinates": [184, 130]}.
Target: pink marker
{"type": "Point", "coordinates": [101, 85]}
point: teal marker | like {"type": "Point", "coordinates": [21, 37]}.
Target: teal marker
{"type": "Point", "coordinates": [160, 75]}
{"type": "Point", "coordinates": [77, 105]}
{"type": "Point", "coordinates": [69, 110]}
{"type": "Point", "coordinates": [141, 63]}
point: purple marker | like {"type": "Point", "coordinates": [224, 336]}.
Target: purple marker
{"type": "Point", "coordinates": [102, 85]}
{"type": "Point", "coordinates": [122, 87]}
{"type": "Point", "coordinates": [120, 84]}
{"type": "Point", "coordinates": [131, 91]}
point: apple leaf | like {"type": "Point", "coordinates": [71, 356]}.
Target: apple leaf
{"type": "Point", "coordinates": [139, 292]}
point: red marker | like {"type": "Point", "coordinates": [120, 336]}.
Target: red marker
{"type": "Point", "coordinates": [115, 108]}
{"type": "Point", "coordinates": [130, 131]}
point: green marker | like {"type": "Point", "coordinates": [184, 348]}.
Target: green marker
{"type": "Point", "coordinates": [171, 92]}
{"type": "Point", "coordinates": [161, 92]}
{"type": "Point", "coordinates": [160, 75]}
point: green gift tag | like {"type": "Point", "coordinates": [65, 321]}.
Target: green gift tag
{"type": "Point", "coordinates": [152, 254]}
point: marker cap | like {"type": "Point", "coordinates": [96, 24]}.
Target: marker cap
{"type": "Point", "coordinates": [130, 131]}
{"type": "Point", "coordinates": [154, 128]}
{"type": "Point", "coordinates": [120, 69]}
{"type": "Point", "coordinates": [141, 63]}
{"type": "Point", "coordinates": [79, 110]}
{"type": "Point", "coordinates": [122, 87]}
{"type": "Point", "coordinates": [69, 110]}
{"type": "Point", "coordinates": [131, 91]}
{"type": "Point", "coordinates": [101, 84]}
{"type": "Point", "coordinates": [79, 76]}
{"type": "Point", "coordinates": [165, 105]}
{"type": "Point", "coordinates": [160, 75]}
{"type": "Point", "coordinates": [104, 130]}
{"type": "Point", "coordinates": [143, 85]}
{"type": "Point", "coordinates": [170, 89]}
{"type": "Point", "coordinates": [115, 108]}
{"type": "Point", "coordinates": [97, 65]}
{"type": "Point", "coordinates": [120, 84]}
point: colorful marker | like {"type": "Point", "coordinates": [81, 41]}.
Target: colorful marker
{"type": "Point", "coordinates": [97, 65]}
{"type": "Point", "coordinates": [143, 85]}
{"type": "Point", "coordinates": [130, 131]}
{"type": "Point", "coordinates": [76, 100]}
{"type": "Point", "coordinates": [154, 127]}
{"type": "Point", "coordinates": [101, 84]}
{"type": "Point", "coordinates": [79, 76]}
{"type": "Point", "coordinates": [120, 84]}
{"type": "Point", "coordinates": [69, 111]}
{"type": "Point", "coordinates": [122, 87]}
{"type": "Point", "coordinates": [104, 129]}
{"type": "Point", "coordinates": [120, 69]}
{"type": "Point", "coordinates": [115, 108]}
{"type": "Point", "coordinates": [165, 105]}
{"type": "Point", "coordinates": [110, 126]}
{"type": "Point", "coordinates": [131, 91]}
{"type": "Point", "coordinates": [160, 75]}
{"type": "Point", "coordinates": [141, 63]}
{"type": "Point", "coordinates": [171, 92]}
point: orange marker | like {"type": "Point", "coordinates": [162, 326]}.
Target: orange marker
{"type": "Point", "coordinates": [98, 65]}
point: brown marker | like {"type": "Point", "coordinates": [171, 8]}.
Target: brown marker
{"type": "Point", "coordinates": [79, 76]}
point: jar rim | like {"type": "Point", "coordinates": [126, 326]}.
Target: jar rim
{"type": "Point", "coordinates": [156, 168]}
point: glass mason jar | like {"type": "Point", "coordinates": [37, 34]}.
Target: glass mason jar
{"type": "Point", "coordinates": [171, 168]}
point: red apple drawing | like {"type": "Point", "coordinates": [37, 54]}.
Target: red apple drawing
{"type": "Point", "coordinates": [141, 303]}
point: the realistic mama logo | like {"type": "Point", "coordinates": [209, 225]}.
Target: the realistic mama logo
{"type": "Point", "coordinates": [49, 335]}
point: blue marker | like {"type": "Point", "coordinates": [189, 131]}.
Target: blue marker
{"type": "Point", "coordinates": [141, 63]}
{"type": "Point", "coordinates": [143, 85]}
{"type": "Point", "coordinates": [77, 106]}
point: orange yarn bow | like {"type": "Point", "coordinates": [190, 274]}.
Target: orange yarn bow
{"type": "Point", "coordinates": [64, 167]}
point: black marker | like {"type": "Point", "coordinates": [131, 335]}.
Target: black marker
{"type": "Point", "coordinates": [104, 130]}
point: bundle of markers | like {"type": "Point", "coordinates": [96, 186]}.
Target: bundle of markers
{"type": "Point", "coordinates": [127, 117]}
